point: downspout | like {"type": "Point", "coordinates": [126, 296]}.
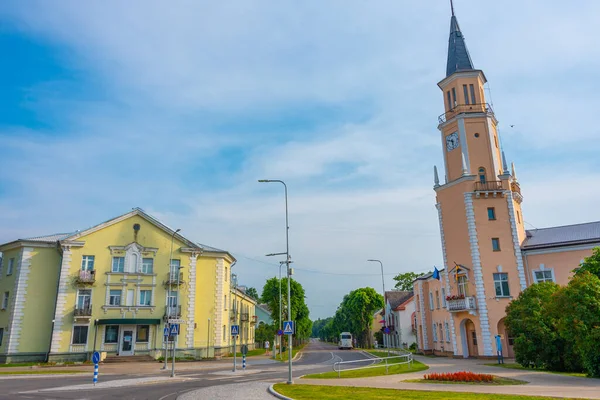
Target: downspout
{"type": "Point", "coordinates": [59, 249]}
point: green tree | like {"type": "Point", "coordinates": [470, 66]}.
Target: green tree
{"type": "Point", "coordinates": [252, 292]}
{"type": "Point", "coordinates": [591, 264]}
{"type": "Point", "coordinates": [264, 332]}
{"type": "Point", "coordinates": [405, 280]}
{"type": "Point", "coordinates": [532, 322]}
{"type": "Point", "coordinates": [580, 326]}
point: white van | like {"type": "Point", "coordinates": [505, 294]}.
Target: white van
{"type": "Point", "coordinates": [345, 341]}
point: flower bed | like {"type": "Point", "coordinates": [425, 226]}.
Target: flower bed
{"type": "Point", "coordinates": [462, 376]}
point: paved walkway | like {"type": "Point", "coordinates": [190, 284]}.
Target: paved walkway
{"type": "Point", "coordinates": [235, 391]}
{"type": "Point", "coordinates": [540, 383]}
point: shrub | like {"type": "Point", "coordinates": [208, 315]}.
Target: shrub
{"type": "Point", "coordinates": [462, 376]}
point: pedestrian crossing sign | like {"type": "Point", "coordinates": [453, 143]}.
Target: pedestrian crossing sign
{"type": "Point", "coordinates": [235, 330]}
{"type": "Point", "coordinates": [174, 330]}
{"type": "Point", "coordinates": [288, 327]}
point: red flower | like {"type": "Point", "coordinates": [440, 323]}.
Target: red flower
{"type": "Point", "coordinates": [462, 376]}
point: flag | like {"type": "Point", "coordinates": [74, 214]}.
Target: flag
{"type": "Point", "coordinates": [436, 273]}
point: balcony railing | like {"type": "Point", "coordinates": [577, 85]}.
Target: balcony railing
{"type": "Point", "coordinates": [174, 278]}
{"type": "Point", "coordinates": [86, 276]}
{"type": "Point", "coordinates": [83, 311]}
{"type": "Point", "coordinates": [458, 305]}
{"type": "Point", "coordinates": [244, 317]}
{"type": "Point", "coordinates": [173, 311]}
{"type": "Point", "coordinates": [466, 108]}
{"type": "Point", "coordinates": [488, 186]}
{"type": "Point", "coordinates": [515, 187]}
{"type": "Point", "coordinates": [254, 319]}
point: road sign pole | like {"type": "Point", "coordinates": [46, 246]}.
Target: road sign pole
{"type": "Point", "coordinates": [243, 362]}
{"type": "Point", "coordinates": [166, 336]}
{"type": "Point", "coordinates": [234, 355]}
{"type": "Point", "coordinates": [95, 374]}
{"type": "Point", "coordinates": [95, 360]}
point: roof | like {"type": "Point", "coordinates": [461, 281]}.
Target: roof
{"type": "Point", "coordinates": [49, 238]}
{"type": "Point", "coordinates": [397, 297]}
{"type": "Point", "coordinates": [556, 236]}
{"type": "Point", "coordinates": [210, 248]}
{"type": "Point", "coordinates": [458, 54]}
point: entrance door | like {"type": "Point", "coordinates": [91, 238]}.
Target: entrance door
{"type": "Point", "coordinates": [126, 340]}
{"type": "Point", "coordinates": [472, 338]}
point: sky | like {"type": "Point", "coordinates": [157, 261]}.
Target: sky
{"type": "Point", "coordinates": [180, 107]}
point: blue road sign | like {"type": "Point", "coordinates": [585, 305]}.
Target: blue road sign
{"type": "Point", "coordinates": [235, 330]}
{"type": "Point", "coordinates": [279, 332]}
{"type": "Point", "coordinates": [386, 330]}
{"type": "Point", "coordinates": [288, 327]}
{"type": "Point", "coordinates": [96, 357]}
{"type": "Point", "coordinates": [166, 331]}
{"type": "Point", "coordinates": [174, 329]}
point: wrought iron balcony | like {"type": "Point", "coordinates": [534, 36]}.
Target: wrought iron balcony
{"type": "Point", "coordinates": [83, 311]}
{"type": "Point", "coordinates": [173, 311]}
{"type": "Point", "coordinates": [488, 186]}
{"type": "Point", "coordinates": [86, 277]}
{"type": "Point", "coordinates": [254, 319]}
{"type": "Point", "coordinates": [174, 278]}
{"type": "Point", "coordinates": [458, 305]}
{"type": "Point", "coordinates": [244, 317]}
{"type": "Point", "coordinates": [466, 108]}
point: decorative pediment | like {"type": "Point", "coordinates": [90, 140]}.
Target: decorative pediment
{"type": "Point", "coordinates": [132, 248]}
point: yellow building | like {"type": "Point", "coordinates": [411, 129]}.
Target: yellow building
{"type": "Point", "coordinates": [489, 257]}
{"type": "Point", "coordinates": [112, 288]}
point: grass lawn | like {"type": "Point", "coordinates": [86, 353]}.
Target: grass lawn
{"type": "Point", "coordinates": [519, 366]}
{"type": "Point", "coordinates": [295, 351]}
{"type": "Point", "coordinates": [309, 392]}
{"type": "Point", "coordinates": [255, 352]}
{"type": "Point", "coordinates": [498, 380]}
{"type": "Point", "coordinates": [29, 364]}
{"type": "Point", "coordinates": [42, 371]}
{"type": "Point", "coordinates": [374, 371]}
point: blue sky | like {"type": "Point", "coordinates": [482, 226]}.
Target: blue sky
{"type": "Point", "coordinates": [179, 109]}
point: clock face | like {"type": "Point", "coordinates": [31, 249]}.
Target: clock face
{"type": "Point", "coordinates": [452, 141]}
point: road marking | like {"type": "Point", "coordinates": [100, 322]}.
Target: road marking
{"type": "Point", "coordinates": [177, 393]}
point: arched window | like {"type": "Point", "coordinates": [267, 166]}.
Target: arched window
{"type": "Point", "coordinates": [482, 175]}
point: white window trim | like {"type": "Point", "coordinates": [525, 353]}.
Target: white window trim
{"type": "Point", "coordinates": [140, 297]}
{"type": "Point", "coordinates": [443, 297]}
{"type": "Point", "coordinates": [142, 265]}
{"type": "Point", "coordinates": [5, 300]}
{"type": "Point", "coordinates": [431, 305]}
{"type": "Point", "coordinates": [86, 338]}
{"type": "Point", "coordinates": [77, 297]}
{"type": "Point", "coordinates": [543, 269]}
{"type": "Point", "coordinates": [120, 298]}
{"type": "Point", "coordinates": [447, 329]}
{"type": "Point", "coordinates": [11, 266]}
{"type": "Point", "coordinates": [435, 335]}
{"type": "Point", "coordinates": [112, 265]}
{"type": "Point", "coordinates": [503, 296]}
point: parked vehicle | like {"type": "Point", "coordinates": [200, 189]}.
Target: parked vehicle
{"type": "Point", "coordinates": [345, 341]}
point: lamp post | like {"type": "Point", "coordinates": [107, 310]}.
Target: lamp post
{"type": "Point", "coordinates": [280, 306]}
{"type": "Point", "coordinates": [383, 284]}
{"type": "Point", "coordinates": [208, 338]}
{"type": "Point", "coordinates": [287, 262]}
{"type": "Point", "coordinates": [169, 302]}
{"type": "Point", "coordinates": [177, 336]}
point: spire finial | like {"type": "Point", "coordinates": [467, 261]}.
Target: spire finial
{"type": "Point", "coordinates": [436, 179]}
{"type": "Point", "coordinates": [504, 165]}
{"type": "Point", "coordinates": [514, 172]}
{"type": "Point", "coordinates": [452, 7]}
{"type": "Point", "coordinates": [465, 171]}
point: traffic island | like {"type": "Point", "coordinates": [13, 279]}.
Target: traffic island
{"type": "Point", "coordinates": [466, 378]}
{"type": "Point", "coordinates": [372, 371]}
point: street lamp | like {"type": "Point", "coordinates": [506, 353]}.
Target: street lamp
{"type": "Point", "coordinates": [383, 284]}
{"type": "Point", "coordinates": [169, 301]}
{"type": "Point", "coordinates": [287, 262]}
{"type": "Point", "coordinates": [280, 307]}
{"type": "Point", "coordinates": [177, 336]}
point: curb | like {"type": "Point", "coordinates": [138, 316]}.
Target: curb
{"type": "Point", "coordinates": [272, 392]}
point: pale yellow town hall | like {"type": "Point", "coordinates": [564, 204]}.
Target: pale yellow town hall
{"type": "Point", "coordinates": [489, 257]}
{"type": "Point", "coordinates": [112, 288]}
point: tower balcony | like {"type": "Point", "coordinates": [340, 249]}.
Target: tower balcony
{"type": "Point", "coordinates": [460, 305]}
{"type": "Point", "coordinates": [174, 278]}
{"type": "Point", "coordinates": [484, 108]}
{"type": "Point", "coordinates": [489, 186]}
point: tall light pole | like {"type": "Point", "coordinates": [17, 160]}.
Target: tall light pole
{"type": "Point", "coordinates": [169, 301]}
{"type": "Point", "coordinates": [280, 306]}
{"type": "Point", "coordinates": [179, 268]}
{"type": "Point", "coordinates": [287, 262]}
{"type": "Point", "coordinates": [382, 282]}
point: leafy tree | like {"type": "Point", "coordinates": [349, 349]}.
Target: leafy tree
{"type": "Point", "coordinates": [591, 264]}
{"type": "Point", "coordinates": [355, 314]}
{"type": "Point", "coordinates": [264, 332]}
{"type": "Point", "coordinates": [319, 326]}
{"type": "Point", "coordinates": [252, 292]}
{"type": "Point", "coordinates": [531, 320]}
{"type": "Point", "coordinates": [405, 281]}
{"type": "Point", "coordinates": [580, 326]}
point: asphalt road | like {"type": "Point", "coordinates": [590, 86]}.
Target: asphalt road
{"type": "Point", "coordinates": [316, 357]}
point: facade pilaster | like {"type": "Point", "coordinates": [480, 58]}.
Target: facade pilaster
{"type": "Point", "coordinates": [61, 299]}
{"type": "Point", "coordinates": [18, 302]}
{"type": "Point", "coordinates": [515, 239]}
{"type": "Point", "coordinates": [191, 306]}
{"type": "Point", "coordinates": [425, 344]}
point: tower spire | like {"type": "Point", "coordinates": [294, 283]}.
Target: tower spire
{"type": "Point", "coordinates": [436, 179]}
{"type": "Point", "coordinates": [458, 55]}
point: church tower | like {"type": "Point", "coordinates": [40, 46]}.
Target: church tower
{"type": "Point", "coordinates": [479, 208]}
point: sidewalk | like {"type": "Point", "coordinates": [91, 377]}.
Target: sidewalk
{"type": "Point", "coordinates": [540, 383]}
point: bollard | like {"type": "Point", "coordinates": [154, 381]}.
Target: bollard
{"type": "Point", "coordinates": [95, 374]}
{"type": "Point", "coordinates": [244, 362]}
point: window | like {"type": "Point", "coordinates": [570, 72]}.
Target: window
{"type": "Point", "coordinates": [5, 300]}
{"type": "Point", "coordinates": [454, 97]}
{"type": "Point", "coordinates": [224, 331]}
{"type": "Point", "coordinates": [145, 297]}
{"type": "Point", "coordinates": [417, 305]}
{"type": "Point", "coordinates": [543, 276]}
{"type": "Point", "coordinates": [435, 338]}
{"type": "Point", "coordinates": [118, 264]}
{"type": "Point", "coordinates": [482, 175]}
{"type": "Point", "coordinates": [115, 297]}
{"type": "Point", "coordinates": [441, 332]}
{"type": "Point", "coordinates": [142, 334]}
{"type": "Point", "coordinates": [437, 299]}
{"type": "Point", "coordinates": [431, 301]}
{"type": "Point", "coordinates": [495, 244]}
{"type": "Point", "coordinates": [491, 213]}
{"type": "Point", "coordinates": [84, 299]}
{"type": "Point", "coordinates": [132, 266]}
{"type": "Point", "coordinates": [496, 140]}
{"type": "Point", "coordinates": [87, 263]}
{"type": "Point", "coordinates": [449, 100]}
{"type": "Point", "coordinates": [147, 265]}
{"type": "Point", "coordinates": [175, 266]}
{"type": "Point", "coordinates": [466, 92]}
{"type": "Point", "coordinates": [1, 335]}
{"type": "Point", "coordinates": [501, 284]}
{"type": "Point", "coordinates": [463, 285]}
{"type": "Point", "coordinates": [472, 93]}
{"type": "Point", "coordinates": [80, 334]}
{"type": "Point", "coordinates": [447, 326]}
{"type": "Point", "coordinates": [172, 298]}
{"type": "Point", "coordinates": [474, 336]}
{"type": "Point", "coordinates": [1, 267]}
{"type": "Point", "coordinates": [11, 265]}
{"type": "Point", "coordinates": [111, 334]}
{"type": "Point", "coordinates": [443, 297]}
{"type": "Point", "coordinates": [225, 274]}
{"type": "Point", "coordinates": [225, 303]}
